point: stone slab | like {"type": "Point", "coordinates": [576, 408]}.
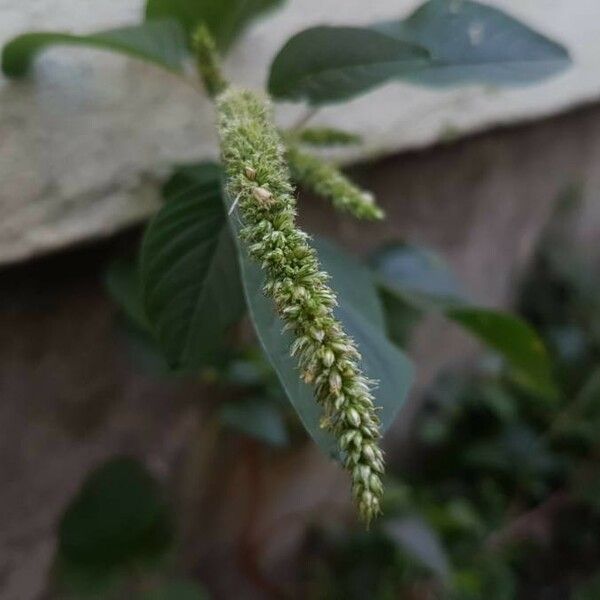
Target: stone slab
{"type": "Point", "coordinates": [84, 141]}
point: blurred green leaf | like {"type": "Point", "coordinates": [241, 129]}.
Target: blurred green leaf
{"type": "Point", "coordinates": [382, 361]}
{"type": "Point", "coordinates": [444, 42]}
{"type": "Point", "coordinates": [401, 318]}
{"type": "Point", "coordinates": [415, 537]}
{"type": "Point", "coordinates": [421, 279]}
{"type": "Point", "coordinates": [190, 279]}
{"type": "Point", "coordinates": [123, 284]}
{"type": "Point", "coordinates": [188, 180]}
{"type": "Point", "coordinates": [225, 19]}
{"type": "Point", "coordinates": [418, 276]}
{"type": "Point", "coordinates": [352, 280]}
{"type": "Point", "coordinates": [257, 418]}
{"type": "Point", "coordinates": [118, 517]}
{"type": "Point", "coordinates": [515, 340]}
{"type": "Point", "coordinates": [471, 42]}
{"type": "Point", "coordinates": [331, 64]}
{"type": "Point", "coordinates": [161, 43]}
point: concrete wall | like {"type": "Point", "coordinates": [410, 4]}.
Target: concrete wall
{"type": "Point", "coordinates": [85, 139]}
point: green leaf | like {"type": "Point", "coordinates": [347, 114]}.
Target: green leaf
{"type": "Point", "coordinates": [225, 19]}
{"type": "Point", "coordinates": [177, 590]}
{"type": "Point", "coordinates": [401, 318]}
{"type": "Point", "coordinates": [161, 43]}
{"type": "Point", "coordinates": [122, 282]}
{"type": "Point", "coordinates": [474, 43]}
{"type": "Point", "coordinates": [118, 517]}
{"type": "Point", "coordinates": [422, 280]}
{"type": "Point", "coordinates": [352, 281]}
{"type": "Point", "coordinates": [513, 339]}
{"type": "Point", "coordinates": [382, 361]}
{"type": "Point", "coordinates": [418, 539]}
{"type": "Point", "coordinates": [188, 179]}
{"type": "Point", "coordinates": [190, 280]}
{"type": "Point", "coordinates": [418, 276]}
{"type": "Point", "coordinates": [257, 418]}
{"type": "Point", "coordinates": [444, 42]}
{"type": "Point", "coordinates": [331, 64]}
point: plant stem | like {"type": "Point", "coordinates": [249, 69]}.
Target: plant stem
{"type": "Point", "coordinates": [207, 62]}
{"type": "Point", "coordinates": [305, 118]}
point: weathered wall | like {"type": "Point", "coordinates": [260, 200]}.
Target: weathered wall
{"type": "Point", "coordinates": [83, 141]}
{"type": "Point", "coordinates": [71, 398]}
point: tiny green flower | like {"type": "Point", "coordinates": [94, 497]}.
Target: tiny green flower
{"type": "Point", "coordinates": [258, 177]}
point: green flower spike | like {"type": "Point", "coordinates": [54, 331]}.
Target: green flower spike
{"type": "Point", "coordinates": [259, 179]}
{"type": "Point", "coordinates": [327, 180]}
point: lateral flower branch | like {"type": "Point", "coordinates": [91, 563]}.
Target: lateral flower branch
{"type": "Point", "coordinates": [255, 161]}
{"type": "Point", "coordinates": [328, 181]}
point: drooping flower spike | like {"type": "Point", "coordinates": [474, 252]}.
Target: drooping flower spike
{"type": "Point", "coordinates": [254, 157]}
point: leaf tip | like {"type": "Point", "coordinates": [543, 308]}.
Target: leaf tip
{"type": "Point", "coordinates": [11, 65]}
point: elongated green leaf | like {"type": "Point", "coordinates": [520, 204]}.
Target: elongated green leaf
{"type": "Point", "coordinates": [225, 19]}
{"type": "Point", "coordinates": [190, 279]}
{"type": "Point", "coordinates": [123, 284]}
{"type": "Point", "coordinates": [418, 539]}
{"type": "Point", "coordinates": [188, 180]}
{"type": "Point", "coordinates": [256, 417]}
{"type": "Point", "coordinates": [161, 43]}
{"type": "Point", "coordinates": [474, 43]}
{"type": "Point", "coordinates": [418, 276]}
{"type": "Point", "coordinates": [122, 281]}
{"type": "Point", "coordinates": [331, 64]}
{"type": "Point", "coordinates": [514, 339]}
{"type": "Point", "coordinates": [422, 280]}
{"type": "Point", "coordinates": [352, 280]}
{"type": "Point", "coordinates": [117, 517]}
{"type": "Point", "coordinates": [382, 361]}
{"type": "Point", "coordinates": [446, 42]}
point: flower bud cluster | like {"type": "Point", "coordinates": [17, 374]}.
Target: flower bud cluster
{"type": "Point", "coordinates": [328, 181]}
{"type": "Point", "coordinates": [328, 360]}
